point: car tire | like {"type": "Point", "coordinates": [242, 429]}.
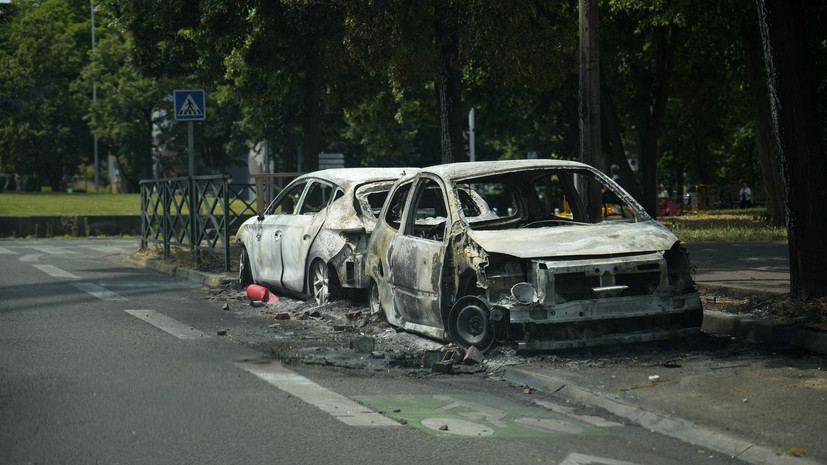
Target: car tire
{"type": "Point", "coordinates": [321, 285]}
{"type": "Point", "coordinates": [469, 324]}
{"type": "Point", "coordinates": [245, 274]}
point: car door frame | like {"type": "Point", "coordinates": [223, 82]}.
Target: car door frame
{"type": "Point", "coordinates": [416, 266]}
{"type": "Point", "coordinates": [267, 254]}
{"type": "Point", "coordinates": [299, 236]}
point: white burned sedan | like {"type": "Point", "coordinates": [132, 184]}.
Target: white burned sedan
{"type": "Point", "coordinates": [311, 239]}
{"type": "Point", "coordinates": [546, 254]}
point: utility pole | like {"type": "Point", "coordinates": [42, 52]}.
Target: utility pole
{"type": "Point", "coordinates": [94, 96]}
{"type": "Point", "coordinates": [472, 156]}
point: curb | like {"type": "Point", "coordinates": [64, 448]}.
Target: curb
{"type": "Point", "coordinates": [673, 427]}
{"type": "Point", "coordinates": [201, 277]}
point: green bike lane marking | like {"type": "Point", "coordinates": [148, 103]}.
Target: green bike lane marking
{"type": "Point", "coordinates": [467, 415]}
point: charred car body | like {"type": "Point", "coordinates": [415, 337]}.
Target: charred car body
{"type": "Point", "coordinates": [545, 253]}
{"type": "Point", "coordinates": [311, 239]}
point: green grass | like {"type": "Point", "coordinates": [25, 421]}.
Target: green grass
{"type": "Point", "coordinates": [705, 226]}
{"type": "Point", "coordinates": [78, 204]}
{"type": "Point", "coordinates": [64, 204]}
{"type": "Point", "coordinates": [725, 226]}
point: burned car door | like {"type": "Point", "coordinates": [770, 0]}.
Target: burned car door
{"type": "Point", "coordinates": [266, 251]}
{"type": "Point", "coordinates": [417, 254]}
{"type": "Point", "coordinates": [299, 233]}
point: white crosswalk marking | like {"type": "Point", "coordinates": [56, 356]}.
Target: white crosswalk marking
{"type": "Point", "coordinates": [52, 250]}
{"type": "Point", "coordinates": [170, 325]}
{"type": "Point", "coordinates": [55, 272]}
{"type": "Point", "coordinates": [32, 257]}
{"type": "Point", "coordinates": [6, 251]}
{"type": "Point", "coordinates": [340, 407]}
{"type": "Point", "coordinates": [99, 291]}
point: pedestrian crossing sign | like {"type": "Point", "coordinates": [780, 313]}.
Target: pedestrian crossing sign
{"type": "Point", "coordinates": [189, 105]}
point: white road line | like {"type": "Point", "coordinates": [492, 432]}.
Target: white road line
{"type": "Point", "coordinates": [5, 251]}
{"type": "Point", "coordinates": [338, 406]}
{"type": "Point", "coordinates": [582, 459]}
{"type": "Point", "coordinates": [32, 257]}
{"type": "Point", "coordinates": [107, 249]}
{"type": "Point", "coordinates": [99, 291]}
{"type": "Point", "coordinates": [170, 325]}
{"type": "Point", "coordinates": [55, 272]}
{"type": "Point", "coordinates": [50, 249]}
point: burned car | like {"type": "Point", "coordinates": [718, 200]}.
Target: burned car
{"type": "Point", "coordinates": [526, 251]}
{"type": "Point", "coordinates": [311, 239]}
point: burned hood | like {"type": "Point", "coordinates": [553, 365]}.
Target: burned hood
{"type": "Point", "coordinates": [594, 240]}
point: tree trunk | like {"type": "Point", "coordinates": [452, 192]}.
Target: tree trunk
{"type": "Point", "coordinates": [664, 44]}
{"type": "Point", "coordinates": [288, 156]}
{"type": "Point", "coordinates": [800, 146]}
{"type": "Point", "coordinates": [750, 39]}
{"type": "Point", "coordinates": [312, 83]}
{"type": "Point", "coordinates": [448, 84]}
{"type": "Point", "coordinates": [608, 114]}
{"type": "Point", "coordinates": [589, 107]}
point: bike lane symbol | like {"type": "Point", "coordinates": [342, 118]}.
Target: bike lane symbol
{"type": "Point", "coordinates": [476, 415]}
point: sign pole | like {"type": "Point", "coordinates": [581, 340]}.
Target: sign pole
{"type": "Point", "coordinates": [191, 149]}
{"type": "Point", "coordinates": [190, 106]}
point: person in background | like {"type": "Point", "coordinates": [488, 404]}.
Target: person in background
{"type": "Point", "coordinates": [616, 175]}
{"type": "Point", "coordinates": [745, 194]}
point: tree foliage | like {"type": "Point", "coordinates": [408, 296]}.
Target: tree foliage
{"type": "Point", "coordinates": [390, 82]}
{"type": "Point", "coordinates": [41, 125]}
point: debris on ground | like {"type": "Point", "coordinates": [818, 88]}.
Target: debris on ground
{"type": "Point", "coordinates": [766, 305]}
{"type": "Point", "coordinates": [345, 333]}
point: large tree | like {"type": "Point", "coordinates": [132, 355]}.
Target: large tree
{"type": "Point", "coordinates": [41, 127]}
{"type": "Point", "coordinates": [800, 141]}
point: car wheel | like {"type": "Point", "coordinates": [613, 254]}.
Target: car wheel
{"type": "Point", "coordinates": [245, 274]}
{"type": "Point", "coordinates": [469, 324]}
{"type": "Point", "coordinates": [320, 284]}
{"type": "Point", "coordinates": [373, 298]}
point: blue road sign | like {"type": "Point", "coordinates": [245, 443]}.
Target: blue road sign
{"type": "Point", "coordinates": [189, 105]}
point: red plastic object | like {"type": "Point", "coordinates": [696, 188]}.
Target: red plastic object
{"type": "Point", "coordinates": [262, 294]}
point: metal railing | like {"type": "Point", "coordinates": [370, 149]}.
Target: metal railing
{"type": "Point", "coordinates": [220, 209]}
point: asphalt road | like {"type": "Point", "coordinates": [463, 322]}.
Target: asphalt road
{"type": "Point", "coordinates": [106, 363]}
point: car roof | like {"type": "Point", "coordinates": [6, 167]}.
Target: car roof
{"type": "Point", "coordinates": [350, 177]}
{"type": "Point", "coordinates": [477, 168]}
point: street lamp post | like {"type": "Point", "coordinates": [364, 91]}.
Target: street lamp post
{"type": "Point", "coordinates": [94, 95]}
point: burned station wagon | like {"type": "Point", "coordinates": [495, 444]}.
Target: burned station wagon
{"type": "Point", "coordinates": [312, 238]}
{"type": "Point", "coordinates": [546, 254]}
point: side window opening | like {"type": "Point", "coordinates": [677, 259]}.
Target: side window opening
{"type": "Point", "coordinates": [317, 198]}
{"type": "Point", "coordinates": [428, 215]}
{"type": "Point", "coordinates": [397, 205]}
{"type": "Point", "coordinates": [286, 204]}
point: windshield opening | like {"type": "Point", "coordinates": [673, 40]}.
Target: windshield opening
{"type": "Point", "coordinates": [542, 198]}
